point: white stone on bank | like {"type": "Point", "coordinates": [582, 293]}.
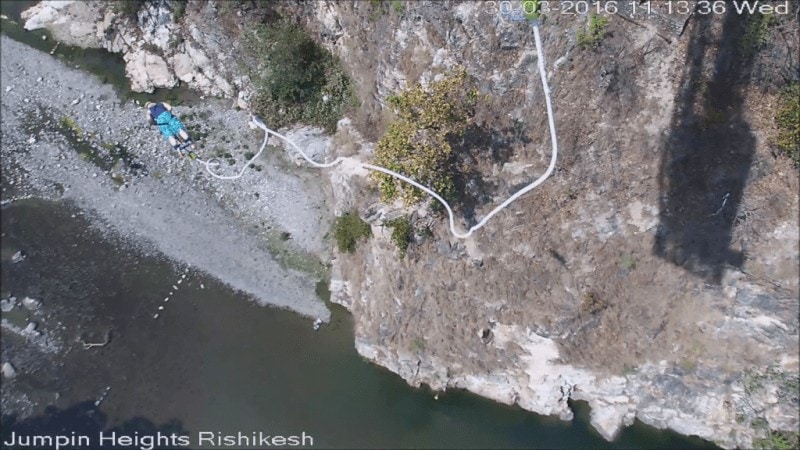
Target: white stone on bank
{"type": "Point", "coordinates": [9, 371]}
{"type": "Point", "coordinates": [31, 303]}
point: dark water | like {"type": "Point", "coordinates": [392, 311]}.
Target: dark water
{"type": "Point", "coordinates": [215, 361]}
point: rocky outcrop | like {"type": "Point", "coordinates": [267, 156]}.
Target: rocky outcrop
{"type": "Point", "coordinates": [147, 71]}
{"type": "Point", "coordinates": [71, 22]}
{"type": "Point", "coordinates": [8, 304]}
{"type": "Point", "coordinates": [159, 49]}
{"type": "Point", "coordinates": [8, 371]}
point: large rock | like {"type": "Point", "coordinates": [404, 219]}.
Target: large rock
{"type": "Point", "coordinates": [8, 370]}
{"type": "Point", "coordinates": [314, 142]}
{"type": "Point", "coordinates": [18, 256]}
{"type": "Point", "coordinates": [183, 67]}
{"type": "Point", "coordinates": [194, 67]}
{"type": "Point", "coordinates": [31, 303]}
{"type": "Point", "coordinates": [7, 304]}
{"type": "Point", "coordinates": [148, 71]}
{"type": "Point", "coordinates": [71, 22]}
{"type": "Point", "coordinates": [156, 25]}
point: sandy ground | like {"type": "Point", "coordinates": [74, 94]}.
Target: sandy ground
{"type": "Point", "coordinates": [154, 198]}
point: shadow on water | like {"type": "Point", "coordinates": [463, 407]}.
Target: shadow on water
{"type": "Point", "coordinates": [707, 159]}
{"type": "Point", "coordinates": [85, 419]}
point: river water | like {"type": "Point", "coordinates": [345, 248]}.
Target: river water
{"type": "Point", "coordinates": [215, 361]}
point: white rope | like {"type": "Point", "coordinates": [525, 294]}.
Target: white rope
{"type": "Point", "coordinates": [212, 163]}
{"type": "Point", "coordinates": [456, 233]}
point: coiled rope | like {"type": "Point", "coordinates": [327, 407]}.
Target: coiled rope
{"type": "Point", "coordinates": [540, 56]}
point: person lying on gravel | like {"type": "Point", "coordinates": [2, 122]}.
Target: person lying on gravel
{"type": "Point", "coordinates": [170, 126]}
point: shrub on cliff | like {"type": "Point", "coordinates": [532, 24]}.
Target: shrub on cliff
{"type": "Point", "coordinates": [128, 7]}
{"type": "Point", "coordinates": [594, 34]}
{"type": "Point", "coordinates": [417, 143]}
{"type": "Point", "coordinates": [295, 79]}
{"type": "Point", "coordinates": [348, 229]}
{"type": "Point", "coordinates": [402, 234]}
{"type": "Point", "coordinates": [756, 35]}
{"type": "Point", "coordinates": [179, 8]}
{"type": "Point", "coordinates": [788, 121]}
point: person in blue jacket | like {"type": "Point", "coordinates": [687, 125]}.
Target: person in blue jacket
{"type": "Point", "coordinates": [160, 114]}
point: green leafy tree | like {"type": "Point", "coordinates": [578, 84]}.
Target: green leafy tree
{"type": "Point", "coordinates": [418, 143]}
{"type": "Point", "coordinates": [295, 79]}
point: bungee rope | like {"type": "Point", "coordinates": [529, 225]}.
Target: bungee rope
{"type": "Point", "coordinates": [540, 56]}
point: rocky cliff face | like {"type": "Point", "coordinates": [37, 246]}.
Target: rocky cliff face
{"type": "Point", "coordinates": [617, 282]}
{"type": "Point", "coordinates": [159, 48]}
{"type": "Point", "coordinates": [653, 276]}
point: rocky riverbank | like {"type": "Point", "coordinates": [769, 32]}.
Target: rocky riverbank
{"type": "Point", "coordinates": [652, 280]}
{"type": "Point", "coordinates": [67, 136]}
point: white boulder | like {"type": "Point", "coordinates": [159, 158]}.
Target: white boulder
{"type": "Point", "coordinates": [71, 22]}
{"type": "Point", "coordinates": [9, 371]}
{"type": "Point", "coordinates": [148, 71]}
{"type": "Point", "coordinates": [7, 304]}
{"type": "Point", "coordinates": [31, 303]}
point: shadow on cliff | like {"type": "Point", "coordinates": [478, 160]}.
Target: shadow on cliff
{"type": "Point", "coordinates": [707, 157]}
{"type": "Point", "coordinates": [85, 419]}
{"type": "Point", "coordinates": [477, 151]}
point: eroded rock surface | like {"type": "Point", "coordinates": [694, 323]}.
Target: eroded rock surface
{"type": "Point", "coordinates": [159, 49]}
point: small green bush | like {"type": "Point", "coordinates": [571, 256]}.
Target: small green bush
{"type": "Point", "coordinates": [776, 440]}
{"type": "Point", "coordinates": [348, 229]}
{"type": "Point", "coordinates": [627, 262]}
{"type": "Point", "coordinates": [402, 234]}
{"type": "Point", "coordinates": [128, 8]}
{"type": "Point", "coordinates": [757, 33]}
{"type": "Point", "coordinates": [378, 7]}
{"type": "Point", "coordinates": [591, 303]}
{"type": "Point", "coordinates": [417, 345]}
{"type": "Point", "coordinates": [711, 118]}
{"type": "Point", "coordinates": [592, 37]}
{"type": "Point", "coordinates": [788, 121]}
{"type": "Point", "coordinates": [179, 8]}
{"type": "Point", "coordinates": [68, 124]}
{"type": "Point", "coordinates": [295, 79]}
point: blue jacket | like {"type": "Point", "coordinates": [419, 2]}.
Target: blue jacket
{"type": "Point", "coordinates": [156, 111]}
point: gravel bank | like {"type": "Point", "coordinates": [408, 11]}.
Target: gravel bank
{"type": "Point", "coordinates": [61, 129]}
